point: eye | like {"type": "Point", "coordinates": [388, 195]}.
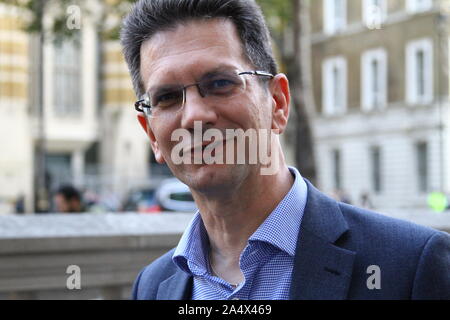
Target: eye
{"type": "Point", "coordinates": [221, 85]}
{"type": "Point", "coordinates": [167, 99]}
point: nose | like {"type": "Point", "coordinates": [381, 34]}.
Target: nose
{"type": "Point", "coordinates": [197, 108]}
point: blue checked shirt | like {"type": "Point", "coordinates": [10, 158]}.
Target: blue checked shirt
{"type": "Point", "coordinates": [266, 262]}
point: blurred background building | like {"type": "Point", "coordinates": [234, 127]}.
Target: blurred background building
{"type": "Point", "coordinates": [16, 138]}
{"type": "Point", "coordinates": [92, 139]}
{"type": "Point", "coordinates": [381, 83]}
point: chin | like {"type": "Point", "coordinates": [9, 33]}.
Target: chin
{"type": "Point", "coordinates": [212, 178]}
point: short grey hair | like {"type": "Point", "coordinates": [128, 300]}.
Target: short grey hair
{"type": "Point", "coordinates": [151, 16]}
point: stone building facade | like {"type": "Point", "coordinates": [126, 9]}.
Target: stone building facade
{"type": "Point", "coordinates": [381, 83]}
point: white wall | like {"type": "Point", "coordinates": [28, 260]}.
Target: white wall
{"type": "Point", "coordinates": [16, 157]}
{"type": "Point", "coordinates": [73, 132]}
{"type": "Point", "coordinates": [396, 132]}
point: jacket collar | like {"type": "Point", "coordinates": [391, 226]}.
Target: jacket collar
{"type": "Point", "coordinates": [322, 270]}
{"type": "Point", "coordinates": [176, 287]}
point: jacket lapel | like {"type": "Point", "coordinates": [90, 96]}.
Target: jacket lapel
{"type": "Point", "coordinates": [322, 270]}
{"type": "Point", "coordinates": [177, 287]}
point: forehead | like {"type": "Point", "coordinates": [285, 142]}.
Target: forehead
{"type": "Point", "coordinates": [191, 48]}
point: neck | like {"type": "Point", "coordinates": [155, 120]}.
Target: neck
{"type": "Point", "coordinates": [231, 218]}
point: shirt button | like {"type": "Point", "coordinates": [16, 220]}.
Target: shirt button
{"type": "Point", "coordinates": [235, 298]}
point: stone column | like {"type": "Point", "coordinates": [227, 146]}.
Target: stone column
{"type": "Point", "coordinates": [78, 167]}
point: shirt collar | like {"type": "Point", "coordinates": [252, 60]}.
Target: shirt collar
{"type": "Point", "coordinates": [189, 255]}
{"type": "Point", "coordinates": [282, 226]}
{"type": "Point", "coordinates": [280, 229]}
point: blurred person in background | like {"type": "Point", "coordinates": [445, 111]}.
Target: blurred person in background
{"type": "Point", "coordinates": [20, 204]}
{"type": "Point", "coordinates": [365, 200]}
{"type": "Point", "coordinates": [68, 199]}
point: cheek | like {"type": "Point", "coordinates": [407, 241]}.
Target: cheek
{"type": "Point", "coordinates": [247, 113]}
{"type": "Point", "coordinates": [163, 138]}
{"type": "Point", "coordinates": [162, 132]}
{"type": "Point", "coordinates": [261, 106]}
{"type": "Point", "coordinates": [261, 113]}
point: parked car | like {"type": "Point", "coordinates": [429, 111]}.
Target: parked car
{"type": "Point", "coordinates": [142, 200]}
{"type": "Point", "coordinates": [173, 195]}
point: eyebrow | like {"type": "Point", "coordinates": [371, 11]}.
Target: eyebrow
{"type": "Point", "coordinates": [165, 87]}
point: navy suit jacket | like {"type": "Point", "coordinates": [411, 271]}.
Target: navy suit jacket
{"type": "Point", "coordinates": [336, 245]}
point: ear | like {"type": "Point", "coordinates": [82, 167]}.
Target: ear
{"type": "Point", "coordinates": [281, 98]}
{"type": "Point", "coordinates": [143, 120]}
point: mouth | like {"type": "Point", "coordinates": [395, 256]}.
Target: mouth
{"type": "Point", "coordinates": [200, 148]}
{"type": "Point", "coordinates": [196, 148]}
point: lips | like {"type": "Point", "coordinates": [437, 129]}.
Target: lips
{"type": "Point", "coordinates": [201, 147]}
{"type": "Point", "coordinates": [196, 148]}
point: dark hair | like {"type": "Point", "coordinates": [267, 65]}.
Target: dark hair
{"type": "Point", "coordinates": [151, 16]}
{"type": "Point", "coordinates": [69, 193]}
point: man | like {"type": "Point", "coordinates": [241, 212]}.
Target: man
{"type": "Point", "coordinates": [256, 236]}
{"type": "Point", "coordinates": [67, 199]}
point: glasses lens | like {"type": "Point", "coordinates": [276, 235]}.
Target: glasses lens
{"type": "Point", "coordinates": [215, 85]}
{"type": "Point", "coordinates": [222, 84]}
{"type": "Point", "coordinates": [164, 100]}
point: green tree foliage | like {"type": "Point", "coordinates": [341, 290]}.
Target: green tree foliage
{"type": "Point", "coordinates": [279, 14]}
{"type": "Point", "coordinates": [279, 17]}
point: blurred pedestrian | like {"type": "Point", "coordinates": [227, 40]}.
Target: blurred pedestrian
{"type": "Point", "coordinates": [341, 196]}
{"type": "Point", "coordinates": [365, 201]}
{"type": "Point", "coordinates": [68, 199]}
{"type": "Point", "coordinates": [344, 197]}
{"type": "Point", "coordinates": [20, 204]}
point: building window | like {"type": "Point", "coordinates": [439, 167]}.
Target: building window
{"type": "Point", "coordinates": [422, 166]}
{"type": "Point", "coordinates": [374, 13]}
{"type": "Point", "coordinates": [335, 15]}
{"type": "Point", "coordinates": [58, 169]}
{"type": "Point", "coordinates": [419, 72]}
{"type": "Point", "coordinates": [414, 6]}
{"type": "Point", "coordinates": [337, 174]}
{"type": "Point", "coordinates": [374, 79]}
{"type": "Point", "coordinates": [375, 159]}
{"type": "Point", "coordinates": [334, 91]}
{"type": "Point", "coordinates": [67, 78]}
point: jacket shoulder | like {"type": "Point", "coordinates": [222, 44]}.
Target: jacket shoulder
{"type": "Point", "coordinates": [147, 282]}
{"type": "Point", "coordinates": [378, 227]}
{"type": "Point", "coordinates": [413, 259]}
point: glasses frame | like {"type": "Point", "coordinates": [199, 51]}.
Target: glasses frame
{"type": "Point", "coordinates": [140, 105]}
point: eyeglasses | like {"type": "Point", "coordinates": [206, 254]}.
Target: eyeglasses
{"type": "Point", "coordinates": [216, 86]}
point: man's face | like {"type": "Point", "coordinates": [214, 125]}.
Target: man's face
{"type": "Point", "coordinates": [182, 56]}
